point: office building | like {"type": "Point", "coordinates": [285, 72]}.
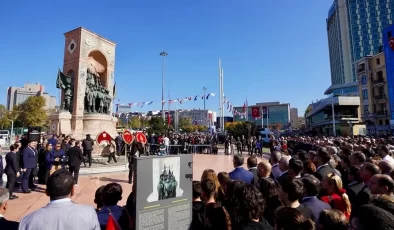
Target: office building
{"type": "Point", "coordinates": [388, 47]}
{"type": "Point", "coordinates": [354, 30]}
{"type": "Point", "coordinates": [295, 124]}
{"type": "Point", "coordinates": [278, 114]}
{"type": "Point", "coordinates": [17, 95]}
{"type": "Point", "coordinates": [199, 116]}
{"type": "Point", "coordinates": [374, 103]}
{"type": "Point", "coordinates": [347, 117]}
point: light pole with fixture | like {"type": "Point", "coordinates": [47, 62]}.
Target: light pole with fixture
{"type": "Point", "coordinates": [163, 54]}
{"type": "Point", "coordinates": [12, 130]}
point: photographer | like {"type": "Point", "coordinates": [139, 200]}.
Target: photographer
{"type": "Point", "coordinates": [56, 159]}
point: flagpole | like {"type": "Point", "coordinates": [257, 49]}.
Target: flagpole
{"type": "Point", "coordinates": [222, 96]}
{"type": "Point", "coordinates": [247, 109]}
{"type": "Point", "coordinates": [262, 118]}
{"type": "Point", "coordinates": [267, 117]}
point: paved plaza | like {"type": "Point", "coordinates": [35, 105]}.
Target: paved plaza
{"type": "Point", "coordinates": [84, 192]}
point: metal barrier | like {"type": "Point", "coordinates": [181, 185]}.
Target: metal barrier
{"type": "Point", "coordinates": [181, 149]}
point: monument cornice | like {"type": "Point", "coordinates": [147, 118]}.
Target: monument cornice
{"type": "Point", "coordinates": [93, 34]}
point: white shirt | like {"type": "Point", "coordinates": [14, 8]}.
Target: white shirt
{"type": "Point", "coordinates": [321, 166]}
{"type": "Point", "coordinates": [1, 216]}
{"type": "Point", "coordinates": [389, 159]}
{"type": "Point", "coordinates": [166, 141]}
{"type": "Point", "coordinates": [60, 200]}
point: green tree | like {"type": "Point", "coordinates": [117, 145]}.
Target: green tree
{"type": "Point", "coordinates": [239, 128]}
{"type": "Point", "coordinates": [308, 109]}
{"type": "Point", "coordinates": [135, 122]}
{"type": "Point", "coordinates": [4, 117]}
{"type": "Point", "coordinates": [157, 126]}
{"type": "Point", "coordinates": [31, 112]}
{"type": "Point", "coordinates": [144, 122]}
{"type": "Point", "coordinates": [184, 122]}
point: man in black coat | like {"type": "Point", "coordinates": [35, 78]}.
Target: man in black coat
{"type": "Point", "coordinates": [4, 223]}
{"type": "Point", "coordinates": [252, 166]}
{"type": "Point", "coordinates": [323, 168]}
{"type": "Point", "coordinates": [75, 158]}
{"type": "Point", "coordinates": [87, 145]}
{"type": "Point", "coordinates": [11, 170]}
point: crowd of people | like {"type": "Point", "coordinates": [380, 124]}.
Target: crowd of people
{"type": "Point", "coordinates": [308, 183]}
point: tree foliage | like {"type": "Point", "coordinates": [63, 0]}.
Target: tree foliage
{"type": "Point", "coordinates": [184, 122]}
{"type": "Point", "coordinates": [239, 128]}
{"type": "Point", "coordinates": [135, 122]}
{"type": "Point", "coordinates": [31, 112]}
{"type": "Point", "coordinates": [157, 126]}
{"type": "Point", "coordinates": [308, 109]}
{"type": "Point", "coordinates": [4, 117]}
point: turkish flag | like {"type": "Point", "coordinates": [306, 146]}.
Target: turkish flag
{"type": "Point", "coordinates": [255, 112]}
{"type": "Point", "coordinates": [169, 119]}
{"type": "Point", "coordinates": [112, 223]}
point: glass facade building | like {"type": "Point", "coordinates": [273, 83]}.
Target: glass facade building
{"type": "Point", "coordinates": [354, 30]}
{"type": "Point", "coordinates": [277, 114]}
{"type": "Point", "coordinates": [388, 38]}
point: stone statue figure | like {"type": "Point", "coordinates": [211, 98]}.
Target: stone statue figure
{"type": "Point", "coordinates": [66, 84]}
{"type": "Point", "coordinates": [97, 98]}
{"type": "Point", "coordinates": [167, 184]}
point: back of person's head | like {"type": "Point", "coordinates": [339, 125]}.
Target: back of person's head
{"type": "Point", "coordinates": [359, 156]}
{"type": "Point", "coordinates": [323, 155]}
{"type": "Point", "coordinates": [252, 162]}
{"type": "Point", "coordinates": [296, 166]}
{"type": "Point", "coordinates": [332, 220]}
{"type": "Point", "coordinates": [371, 168]}
{"type": "Point", "coordinates": [292, 187]}
{"type": "Point", "coordinates": [112, 194]}
{"type": "Point", "coordinates": [275, 156]}
{"type": "Point", "coordinates": [4, 197]}
{"type": "Point", "coordinates": [196, 189]}
{"type": "Point", "coordinates": [97, 196]}
{"type": "Point", "coordinates": [13, 147]}
{"type": "Point", "coordinates": [217, 217]}
{"type": "Point", "coordinates": [302, 155]}
{"type": "Point", "coordinates": [209, 174]}
{"type": "Point", "coordinates": [208, 188]}
{"type": "Point", "coordinates": [223, 178]}
{"type": "Point", "coordinates": [268, 187]}
{"type": "Point", "coordinates": [60, 185]}
{"type": "Point", "coordinates": [355, 172]}
{"type": "Point", "coordinates": [238, 160]}
{"type": "Point", "coordinates": [371, 217]}
{"type": "Point", "coordinates": [287, 218]}
{"type": "Point", "coordinates": [250, 204]}
{"type": "Point", "coordinates": [311, 185]}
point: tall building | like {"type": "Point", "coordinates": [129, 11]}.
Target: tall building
{"type": "Point", "coordinates": [374, 104]}
{"type": "Point", "coordinates": [17, 95]}
{"type": "Point", "coordinates": [199, 116]}
{"type": "Point", "coordinates": [388, 47]}
{"type": "Point", "coordinates": [278, 114]}
{"type": "Point", "coordinates": [294, 118]}
{"type": "Point", "coordinates": [354, 29]}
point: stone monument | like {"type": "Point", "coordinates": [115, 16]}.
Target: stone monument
{"type": "Point", "coordinates": [87, 86]}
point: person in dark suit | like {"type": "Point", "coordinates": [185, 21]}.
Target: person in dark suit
{"type": "Point", "coordinates": [29, 164]}
{"type": "Point", "coordinates": [239, 173]}
{"type": "Point", "coordinates": [252, 166]}
{"type": "Point", "coordinates": [4, 223]}
{"type": "Point", "coordinates": [356, 184]}
{"type": "Point", "coordinates": [367, 171]}
{"type": "Point", "coordinates": [11, 170]}
{"type": "Point", "coordinates": [87, 145]}
{"type": "Point", "coordinates": [56, 158]}
{"type": "Point", "coordinates": [310, 200]}
{"type": "Point", "coordinates": [321, 160]}
{"type": "Point", "coordinates": [75, 157]}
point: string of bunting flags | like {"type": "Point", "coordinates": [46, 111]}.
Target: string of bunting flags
{"type": "Point", "coordinates": [231, 109]}
{"type": "Point", "coordinates": [179, 100]}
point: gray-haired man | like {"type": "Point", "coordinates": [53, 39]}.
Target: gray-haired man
{"type": "Point", "coordinates": [4, 198]}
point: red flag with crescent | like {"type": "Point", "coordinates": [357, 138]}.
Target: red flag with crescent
{"type": "Point", "coordinates": [255, 112]}
{"type": "Point", "coordinates": [128, 137]}
{"type": "Point", "coordinates": [103, 138]}
{"type": "Point", "coordinates": [141, 138]}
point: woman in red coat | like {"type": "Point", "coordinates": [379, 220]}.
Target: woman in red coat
{"type": "Point", "coordinates": [337, 196]}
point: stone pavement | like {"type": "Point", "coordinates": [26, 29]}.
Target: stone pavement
{"type": "Point", "coordinates": [84, 192]}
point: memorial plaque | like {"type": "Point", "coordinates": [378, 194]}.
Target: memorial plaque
{"type": "Point", "coordinates": [163, 191]}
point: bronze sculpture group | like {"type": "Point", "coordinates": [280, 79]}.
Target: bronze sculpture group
{"type": "Point", "coordinates": [97, 97]}
{"type": "Point", "coordinates": [167, 184]}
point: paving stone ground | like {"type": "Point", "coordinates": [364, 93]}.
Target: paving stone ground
{"type": "Point", "coordinates": [84, 192]}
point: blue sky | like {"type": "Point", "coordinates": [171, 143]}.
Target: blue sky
{"type": "Point", "coordinates": [270, 50]}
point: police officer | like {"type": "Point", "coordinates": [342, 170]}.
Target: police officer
{"type": "Point", "coordinates": [130, 158]}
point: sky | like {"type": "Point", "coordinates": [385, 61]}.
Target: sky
{"type": "Point", "coordinates": [270, 50]}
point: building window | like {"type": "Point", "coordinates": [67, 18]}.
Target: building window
{"type": "Point", "coordinates": [365, 94]}
{"type": "Point", "coordinates": [377, 61]}
{"type": "Point", "coordinates": [366, 109]}
{"type": "Point", "coordinates": [363, 80]}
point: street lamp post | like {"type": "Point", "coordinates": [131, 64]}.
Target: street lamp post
{"type": "Point", "coordinates": [12, 130]}
{"type": "Point", "coordinates": [163, 54]}
{"type": "Point", "coordinates": [204, 95]}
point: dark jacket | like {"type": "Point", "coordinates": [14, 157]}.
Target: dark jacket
{"type": "Point", "coordinates": [87, 144]}
{"type": "Point", "coordinates": [55, 154]}
{"type": "Point", "coordinates": [9, 225]}
{"type": "Point", "coordinates": [255, 177]}
{"type": "Point", "coordinates": [198, 215]}
{"type": "Point", "coordinates": [251, 225]}
{"type": "Point", "coordinates": [29, 158]}
{"type": "Point", "coordinates": [353, 190]}
{"type": "Point", "coordinates": [324, 171]}
{"type": "Point", "coordinates": [1, 169]}
{"type": "Point", "coordinates": [12, 165]}
{"type": "Point", "coordinates": [75, 156]}
{"type": "Point", "coordinates": [242, 174]}
{"type": "Point", "coordinates": [316, 205]}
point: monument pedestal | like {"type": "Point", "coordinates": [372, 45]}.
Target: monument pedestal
{"type": "Point", "coordinates": [60, 122]}
{"type": "Point", "coordinates": [94, 124]}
